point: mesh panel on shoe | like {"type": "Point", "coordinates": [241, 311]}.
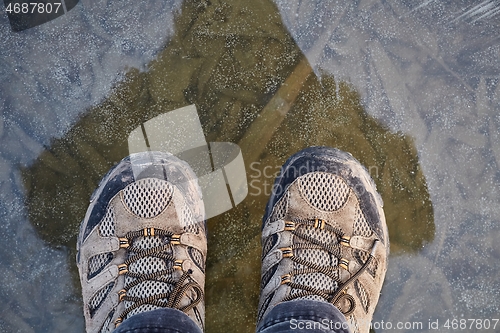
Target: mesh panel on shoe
{"type": "Point", "coordinates": [372, 267]}
{"type": "Point", "coordinates": [280, 209]}
{"type": "Point", "coordinates": [99, 298]}
{"type": "Point", "coordinates": [315, 256]}
{"type": "Point", "coordinates": [264, 306]}
{"type": "Point", "coordinates": [267, 276]}
{"type": "Point", "coordinates": [197, 258]}
{"type": "Point", "coordinates": [104, 328]}
{"type": "Point", "coordinates": [97, 263]}
{"type": "Point", "coordinates": [148, 242]}
{"type": "Point", "coordinates": [316, 280]}
{"type": "Point", "coordinates": [269, 243]}
{"type": "Point", "coordinates": [147, 197]}
{"type": "Point", "coordinates": [362, 257]}
{"type": "Point", "coordinates": [325, 191]}
{"type": "Point", "coordinates": [363, 296]}
{"type": "Point", "coordinates": [147, 265]}
{"type": "Point", "coordinates": [323, 236]}
{"type": "Point", "coordinates": [188, 221]}
{"type": "Point", "coordinates": [361, 226]}
{"type": "Point", "coordinates": [354, 324]}
{"type": "Point", "coordinates": [149, 288]}
{"type": "Point", "coordinates": [107, 224]}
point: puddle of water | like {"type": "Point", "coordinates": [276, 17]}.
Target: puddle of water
{"type": "Point", "coordinates": [410, 89]}
{"type": "Point", "coordinates": [231, 61]}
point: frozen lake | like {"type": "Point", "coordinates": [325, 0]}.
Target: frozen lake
{"type": "Point", "coordinates": [411, 89]}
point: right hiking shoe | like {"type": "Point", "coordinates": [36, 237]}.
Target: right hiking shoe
{"type": "Point", "coordinates": [324, 236]}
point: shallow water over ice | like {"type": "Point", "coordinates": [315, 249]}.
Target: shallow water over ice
{"type": "Point", "coordinates": [411, 90]}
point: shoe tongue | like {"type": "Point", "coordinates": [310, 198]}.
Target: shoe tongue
{"type": "Point", "coordinates": [319, 257]}
{"type": "Point", "coordinates": [148, 265]}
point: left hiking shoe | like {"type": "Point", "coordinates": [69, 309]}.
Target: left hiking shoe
{"type": "Point", "coordinates": [142, 244]}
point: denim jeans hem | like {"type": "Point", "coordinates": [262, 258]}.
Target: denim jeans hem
{"type": "Point", "coordinates": [304, 316]}
{"type": "Point", "coordinates": [161, 320]}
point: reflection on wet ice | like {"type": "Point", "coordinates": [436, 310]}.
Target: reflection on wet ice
{"type": "Point", "coordinates": [232, 61]}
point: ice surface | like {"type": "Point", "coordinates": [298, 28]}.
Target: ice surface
{"type": "Point", "coordinates": [49, 76]}
{"type": "Point", "coordinates": [431, 69]}
{"type": "Point", "coordinates": [428, 70]}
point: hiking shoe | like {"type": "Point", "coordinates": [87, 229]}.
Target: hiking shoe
{"type": "Point", "coordinates": [142, 244]}
{"type": "Point", "coordinates": [324, 236]}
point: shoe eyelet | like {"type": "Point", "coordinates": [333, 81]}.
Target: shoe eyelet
{"type": "Point", "coordinates": [175, 240]}
{"type": "Point", "coordinates": [345, 241]}
{"type": "Point", "coordinates": [289, 226]}
{"type": "Point", "coordinates": [122, 269]}
{"type": "Point", "coordinates": [178, 264]}
{"type": "Point", "coordinates": [344, 263]}
{"type": "Point", "coordinates": [319, 223]}
{"type": "Point", "coordinates": [287, 252]}
{"type": "Point", "coordinates": [118, 321]}
{"type": "Point", "coordinates": [149, 232]}
{"type": "Point", "coordinates": [124, 243]}
{"type": "Point", "coordinates": [121, 294]}
{"type": "Point", "coordinates": [287, 278]}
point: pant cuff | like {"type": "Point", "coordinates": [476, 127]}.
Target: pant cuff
{"type": "Point", "coordinates": [304, 316]}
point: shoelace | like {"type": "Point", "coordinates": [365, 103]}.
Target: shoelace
{"type": "Point", "coordinates": [181, 287]}
{"type": "Point", "coordinates": [333, 296]}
